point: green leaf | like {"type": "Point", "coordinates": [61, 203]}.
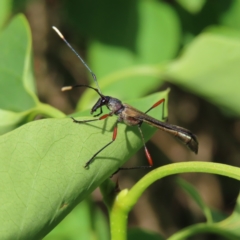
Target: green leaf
{"type": "Point", "coordinates": [119, 86]}
{"type": "Point", "coordinates": [18, 101]}
{"type": "Point", "coordinates": [42, 176]}
{"type": "Point", "coordinates": [211, 215]}
{"type": "Point", "coordinates": [231, 224]}
{"type": "Point", "coordinates": [126, 199]}
{"type": "Point", "coordinates": [86, 221]}
{"type": "Point", "coordinates": [129, 45]}
{"type": "Point", "coordinates": [209, 67]}
{"type": "Point", "coordinates": [231, 17]}
{"type": "Point", "coordinates": [189, 189]}
{"type": "Point", "coordinates": [16, 81]}
{"type": "Point", "coordinates": [126, 33]}
{"type": "Point", "coordinates": [5, 11]}
{"type": "Point", "coordinates": [228, 228]}
{"type": "Point", "coordinates": [157, 40]}
{"type": "Point", "coordinates": [193, 6]}
{"type": "Point", "coordinates": [224, 32]}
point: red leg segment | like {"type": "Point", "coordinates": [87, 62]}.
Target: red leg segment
{"type": "Point", "coordinates": [105, 116]}
{"type": "Point", "coordinates": [149, 158]}
{"type": "Point", "coordinates": [114, 133]}
{"type": "Point", "coordinates": [157, 104]}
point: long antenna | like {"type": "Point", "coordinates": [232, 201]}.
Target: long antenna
{"type": "Point", "coordinates": [79, 57]}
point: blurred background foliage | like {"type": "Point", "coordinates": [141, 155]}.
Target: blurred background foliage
{"type": "Point", "coordinates": [191, 46]}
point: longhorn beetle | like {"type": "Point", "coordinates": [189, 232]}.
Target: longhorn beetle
{"type": "Point", "coordinates": [129, 115]}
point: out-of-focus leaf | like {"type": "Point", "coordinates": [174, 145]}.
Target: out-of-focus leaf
{"type": "Point", "coordinates": [231, 17]}
{"type": "Point", "coordinates": [209, 67]}
{"type": "Point", "coordinates": [118, 85]}
{"type": "Point", "coordinates": [15, 64]}
{"type": "Point", "coordinates": [82, 223]}
{"type": "Point", "coordinates": [193, 6]}
{"type": "Point", "coordinates": [231, 224]}
{"type": "Point", "coordinates": [5, 11]}
{"type": "Point", "coordinates": [18, 100]}
{"type": "Point", "coordinates": [224, 32]}
{"type": "Point", "coordinates": [189, 189]}
{"type": "Point", "coordinates": [228, 228]}
{"type": "Point", "coordinates": [42, 177]}
{"type": "Point", "coordinates": [157, 40]}
{"type": "Point", "coordinates": [130, 43]}
{"type": "Point", "coordinates": [210, 214]}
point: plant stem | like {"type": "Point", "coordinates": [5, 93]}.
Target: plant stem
{"type": "Point", "coordinates": [176, 168]}
{"type": "Point", "coordinates": [118, 218]}
{"type": "Point", "coordinates": [125, 200]}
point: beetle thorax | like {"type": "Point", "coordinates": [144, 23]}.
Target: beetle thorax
{"type": "Point", "coordinates": [114, 105]}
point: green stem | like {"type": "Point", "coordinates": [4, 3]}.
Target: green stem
{"type": "Point", "coordinates": [127, 199]}
{"type": "Point", "coordinates": [118, 218]}
{"type": "Point", "coordinates": [176, 168]}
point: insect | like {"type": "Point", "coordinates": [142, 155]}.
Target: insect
{"type": "Point", "coordinates": [128, 115]}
